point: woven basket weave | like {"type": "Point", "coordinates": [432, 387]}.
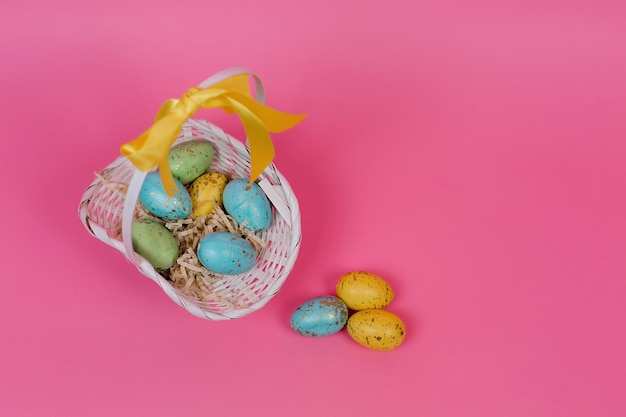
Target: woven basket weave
{"type": "Point", "coordinates": [108, 205]}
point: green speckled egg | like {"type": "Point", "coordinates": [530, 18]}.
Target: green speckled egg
{"type": "Point", "coordinates": [363, 290]}
{"type": "Point", "coordinates": [376, 329]}
{"type": "Point", "coordinates": [154, 243]}
{"type": "Point", "coordinates": [188, 160]}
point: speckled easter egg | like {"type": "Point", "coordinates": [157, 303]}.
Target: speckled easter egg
{"type": "Point", "coordinates": [156, 201]}
{"type": "Point", "coordinates": [376, 329]}
{"type": "Point", "coordinates": [363, 290]}
{"type": "Point", "coordinates": [226, 254]}
{"type": "Point", "coordinates": [247, 203]}
{"type": "Point", "coordinates": [321, 316]}
{"type": "Point", "coordinates": [154, 243]}
{"type": "Point", "coordinates": [188, 160]}
{"type": "Point", "coordinates": [206, 192]}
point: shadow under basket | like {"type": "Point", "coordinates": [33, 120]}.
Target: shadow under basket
{"type": "Point", "coordinates": [230, 296]}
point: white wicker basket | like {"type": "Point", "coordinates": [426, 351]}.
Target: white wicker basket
{"type": "Point", "coordinates": [107, 209]}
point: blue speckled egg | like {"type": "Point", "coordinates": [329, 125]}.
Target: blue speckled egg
{"type": "Point", "coordinates": [156, 201]}
{"type": "Point", "coordinates": [321, 316]}
{"type": "Point", "coordinates": [226, 254]}
{"type": "Point", "coordinates": [247, 202]}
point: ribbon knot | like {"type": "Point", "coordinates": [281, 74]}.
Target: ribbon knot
{"type": "Point", "coordinates": [151, 148]}
{"type": "Point", "coordinates": [188, 103]}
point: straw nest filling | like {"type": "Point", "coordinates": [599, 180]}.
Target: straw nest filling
{"type": "Point", "coordinates": [188, 274]}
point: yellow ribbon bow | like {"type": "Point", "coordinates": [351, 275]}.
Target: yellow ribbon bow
{"type": "Point", "coordinates": [233, 95]}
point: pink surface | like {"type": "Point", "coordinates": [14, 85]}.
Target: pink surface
{"type": "Point", "coordinates": [472, 153]}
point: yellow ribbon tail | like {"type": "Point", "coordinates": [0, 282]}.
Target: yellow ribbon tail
{"type": "Point", "coordinates": [151, 148]}
{"type": "Point", "coordinates": [143, 159]}
{"type": "Point", "coordinates": [153, 145]}
{"type": "Point", "coordinates": [166, 108]}
{"type": "Point", "coordinates": [273, 120]}
{"type": "Point", "coordinates": [135, 152]}
{"type": "Point", "coordinates": [167, 178]}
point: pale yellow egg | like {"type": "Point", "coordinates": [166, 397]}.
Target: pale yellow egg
{"type": "Point", "coordinates": [206, 192]}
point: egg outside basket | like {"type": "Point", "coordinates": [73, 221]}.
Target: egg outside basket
{"type": "Point", "coordinates": [107, 210]}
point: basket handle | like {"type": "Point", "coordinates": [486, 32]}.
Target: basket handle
{"type": "Point", "coordinates": [231, 72]}
{"type": "Point", "coordinates": [136, 181]}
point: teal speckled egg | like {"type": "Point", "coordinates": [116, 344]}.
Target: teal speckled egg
{"type": "Point", "coordinates": [226, 254]}
{"type": "Point", "coordinates": [321, 316]}
{"type": "Point", "coordinates": [154, 243]}
{"type": "Point", "coordinates": [156, 201]}
{"type": "Point", "coordinates": [247, 202]}
{"type": "Point", "coordinates": [188, 160]}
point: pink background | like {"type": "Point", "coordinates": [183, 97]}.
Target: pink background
{"type": "Point", "coordinates": [471, 152]}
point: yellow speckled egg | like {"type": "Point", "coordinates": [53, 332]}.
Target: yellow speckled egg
{"type": "Point", "coordinates": [362, 290]}
{"type": "Point", "coordinates": [205, 192]}
{"type": "Point", "coordinates": [376, 329]}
